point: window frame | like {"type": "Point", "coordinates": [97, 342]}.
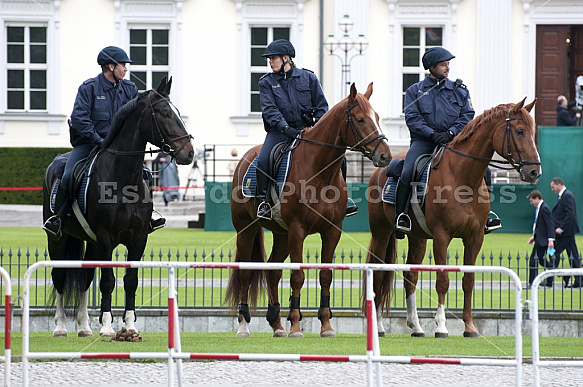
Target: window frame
{"type": "Point", "coordinates": [27, 67]}
{"type": "Point", "coordinates": [149, 68]}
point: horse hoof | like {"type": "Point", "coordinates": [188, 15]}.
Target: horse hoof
{"type": "Point", "coordinates": [422, 334]}
{"type": "Point", "coordinates": [296, 334]}
{"type": "Point", "coordinates": [106, 334]}
{"type": "Point", "coordinates": [84, 333]}
{"type": "Point", "coordinates": [242, 334]}
{"type": "Point", "coordinates": [381, 334]}
{"type": "Point", "coordinates": [60, 334]}
{"type": "Point", "coordinates": [471, 334]}
{"type": "Point", "coordinates": [440, 335]}
{"type": "Point", "coordinates": [279, 333]}
{"type": "Point", "coordinates": [328, 334]}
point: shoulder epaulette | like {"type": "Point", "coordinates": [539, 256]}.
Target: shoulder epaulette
{"type": "Point", "coordinates": [89, 81]}
{"type": "Point", "coordinates": [128, 82]}
{"type": "Point", "coordinates": [264, 75]}
{"type": "Point", "coordinates": [307, 70]}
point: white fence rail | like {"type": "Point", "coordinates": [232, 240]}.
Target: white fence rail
{"type": "Point", "coordinates": [372, 357]}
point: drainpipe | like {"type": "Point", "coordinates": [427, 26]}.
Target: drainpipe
{"type": "Point", "coordinates": [321, 69]}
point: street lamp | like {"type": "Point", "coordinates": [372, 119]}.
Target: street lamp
{"type": "Point", "coordinates": [345, 44]}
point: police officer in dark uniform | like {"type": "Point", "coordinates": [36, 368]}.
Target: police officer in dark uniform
{"type": "Point", "coordinates": [97, 101]}
{"type": "Point", "coordinates": [436, 109]}
{"type": "Point", "coordinates": [291, 99]}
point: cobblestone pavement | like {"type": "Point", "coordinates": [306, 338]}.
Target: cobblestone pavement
{"type": "Point", "coordinates": [283, 374]}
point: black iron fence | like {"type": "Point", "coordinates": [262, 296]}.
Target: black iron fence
{"type": "Point", "coordinates": [205, 287]}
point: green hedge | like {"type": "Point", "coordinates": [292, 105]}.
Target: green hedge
{"type": "Point", "coordinates": [24, 167]}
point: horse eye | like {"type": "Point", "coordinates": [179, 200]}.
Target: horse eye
{"type": "Point", "coordinates": [360, 120]}
{"type": "Point", "coordinates": [520, 132]}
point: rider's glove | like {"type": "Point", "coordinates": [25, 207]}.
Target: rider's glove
{"type": "Point", "coordinates": [441, 138]}
{"type": "Point", "coordinates": [291, 132]}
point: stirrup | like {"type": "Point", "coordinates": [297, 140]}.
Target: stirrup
{"type": "Point", "coordinates": [493, 223]}
{"type": "Point", "coordinates": [351, 208]}
{"type": "Point", "coordinates": [156, 224]}
{"type": "Point", "coordinates": [403, 222]}
{"type": "Point", "coordinates": [264, 211]}
{"type": "Point", "coordinates": [54, 226]}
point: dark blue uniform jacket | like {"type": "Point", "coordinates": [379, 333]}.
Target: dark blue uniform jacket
{"type": "Point", "coordinates": [284, 101]}
{"type": "Point", "coordinates": [449, 109]}
{"type": "Point", "coordinates": [96, 103]}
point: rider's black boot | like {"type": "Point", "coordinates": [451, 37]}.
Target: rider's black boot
{"type": "Point", "coordinates": [264, 209]}
{"type": "Point", "coordinates": [403, 221]}
{"type": "Point", "coordinates": [54, 225]}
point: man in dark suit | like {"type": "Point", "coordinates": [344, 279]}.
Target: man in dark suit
{"type": "Point", "coordinates": [543, 236]}
{"type": "Point", "coordinates": [566, 226]}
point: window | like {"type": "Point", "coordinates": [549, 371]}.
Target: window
{"type": "Point", "coordinates": [416, 40]}
{"type": "Point", "coordinates": [260, 38]}
{"type": "Point", "coordinates": [149, 51]}
{"type": "Point", "coordinates": [26, 68]}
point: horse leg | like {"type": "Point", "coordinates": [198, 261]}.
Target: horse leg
{"type": "Point", "coordinates": [279, 253]}
{"type": "Point", "coordinates": [296, 236]}
{"type": "Point", "coordinates": [471, 251]}
{"type": "Point", "coordinates": [414, 257]}
{"type": "Point", "coordinates": [84, 330]}
{"type": "Point", "coordinates": [440, 243]}
{"type": "Point", "coordinates": [130, 283]}
{"type": "Point", "coordinates": [330, 240]}
{"type": "Point", "coordinates": [60, 318]}
{"type": "Point", "coordinates": [106, 287]}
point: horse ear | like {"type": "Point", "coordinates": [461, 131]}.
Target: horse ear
{"type": "Point", "coordinates": [518, 106]}
{"type": "Point", "coordinates": [169, 85]}
{"type": "Point", "coordinates": [352, 91]}
{"type": "Point", "coordinates": [161, 89]}
{"type": "Point", "coordinates": [368, 92]}
{"type": "Point", "coordinates": [530, 105]}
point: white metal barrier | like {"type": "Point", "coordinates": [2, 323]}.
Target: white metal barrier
{"type": "Point", "coordinates": [536, 362]}
{"type": "Point", "coordinates": [7, 358]}
{"type": "Point", "coordinates": [372, 356]}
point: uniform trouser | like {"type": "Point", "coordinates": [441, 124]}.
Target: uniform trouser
{"type": "Point", "coordinates": [273, 138]}
{"type": "Point", "coordinates": [418, 148]}
{"type": "Point", "coordinates": [79, 152]}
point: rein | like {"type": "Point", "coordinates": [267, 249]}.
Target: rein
{"type": "Point", "coordinates": [156, 135]}
{"type": "Point", "coordinates": [361, 144]}
{"type": "Point", "coordinates": [508, 135]}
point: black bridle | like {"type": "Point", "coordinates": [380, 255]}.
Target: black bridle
{"type": "Point", "coordinates": [156, 135]}
{"type": "Point", "coordinates": [508, 136]}
{"type": "Point", "coordinates": [361, 142]}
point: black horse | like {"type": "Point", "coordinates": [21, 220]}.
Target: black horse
{"type": "Point", "coordinates": [119, 207]}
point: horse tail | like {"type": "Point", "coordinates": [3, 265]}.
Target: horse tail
{"type": "Point", "coordinates": [384, 286]}
{"type": "Point", "coordinates": [256, 278]}
{"type": "Point", "coordinates": [70, 282]}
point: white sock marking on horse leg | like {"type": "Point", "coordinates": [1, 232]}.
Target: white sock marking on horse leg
{"type": "Point", "coordinates": [243, 330]}
{"type": "Point", "coordinates": [380, 326]}
{"type": "Point", "coordinates": [440, 320]}
{"type": "Point", "coordinates": [106, 329]}
{"type": "Point", "coordinates": [130, 320]}
{"type": "Point", "coordinates": [60, 318]}
{"type": "Point", "coordinates": [412, 317]}
{"type": "Point", "coordinates": [83, 330]}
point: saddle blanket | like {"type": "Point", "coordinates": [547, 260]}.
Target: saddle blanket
{"type": "Point", "coordinates": [250, 180]}
{"type": "Point", "coordinates": [390, 188]}
{"type": "Point", "coordinates": [81, 195]}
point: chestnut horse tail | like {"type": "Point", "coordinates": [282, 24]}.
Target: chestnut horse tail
{"type": "Point", "coordinates": [257, 281]}
{"type": "Point", "coordinates": [384, 292]}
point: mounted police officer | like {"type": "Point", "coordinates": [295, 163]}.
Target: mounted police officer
{"type": "Point", "coordinates": [97, 101]}
{"type": "Point", "coordinates": [291, 99]}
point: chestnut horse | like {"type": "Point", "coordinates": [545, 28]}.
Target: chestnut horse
{"type": "Point", "coordinates": [119, 207]}
{"type": "Point", "coordinates": [313, 201]}
{"type": "Point", "coordinates": [456, 206]}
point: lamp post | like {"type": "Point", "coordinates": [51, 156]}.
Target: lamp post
{"type": "Point", "coordinates": [345, 45]}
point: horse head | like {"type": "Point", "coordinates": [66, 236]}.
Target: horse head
{"type": "Point", "coordinates": [363, 124]}
{"type": "Point", "coordinates": [517, 141]}
{"type": "Point", "coordinates": [168, 130]}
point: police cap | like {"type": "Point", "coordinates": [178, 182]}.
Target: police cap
{"type": "Point", "coordinates": [113, 55]}
{"type": "Point", "coordinates": [434, 55]}
{"type": "Point", "coordinates": [280, 47]}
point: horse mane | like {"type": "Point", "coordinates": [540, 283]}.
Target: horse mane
{"type": "Point", "coordinates": [120, 118]}
{"type": "Point", "coordinates": [483, 119]}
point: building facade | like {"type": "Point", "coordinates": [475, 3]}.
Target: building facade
{"type": "Point", "coordinates": [505, 50]}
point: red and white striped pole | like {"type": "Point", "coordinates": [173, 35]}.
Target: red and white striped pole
{"type": "Point", "coordinates": [7, 325]}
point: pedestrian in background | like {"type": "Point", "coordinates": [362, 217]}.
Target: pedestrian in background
{"type": "Point", "coordinates": [566, 226]}
{"type": "Point", "coordinates": [543, 237]}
